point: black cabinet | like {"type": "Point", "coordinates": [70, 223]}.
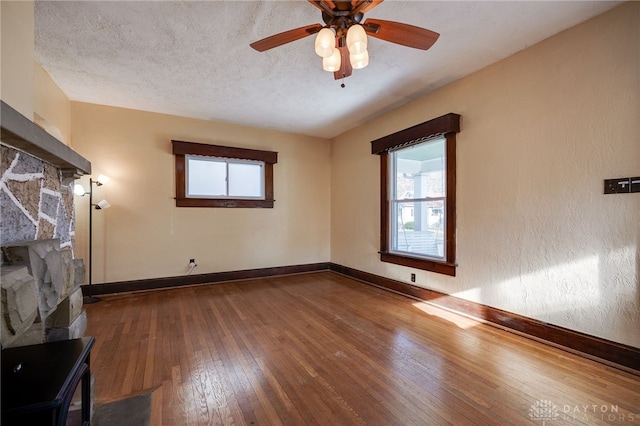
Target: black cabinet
{"type": "Point", "coordinates": [39, 381]}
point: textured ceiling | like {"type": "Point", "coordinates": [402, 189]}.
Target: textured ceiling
{"type": "Point", "coordinates": [193, 59]}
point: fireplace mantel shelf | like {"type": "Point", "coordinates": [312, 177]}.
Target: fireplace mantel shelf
{"type": "Point", "coordinates": [24, 135]}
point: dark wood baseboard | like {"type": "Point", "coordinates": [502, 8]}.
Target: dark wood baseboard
{"type": "Point", "coordinates": [603, 350]}
{"type": "Point", "coordinates": [186, 280]}
{"type": "Point", "coordinates": [593, 347]}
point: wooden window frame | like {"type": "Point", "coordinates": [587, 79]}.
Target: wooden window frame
{"type": "Point", "coordinates": [182, 149]}
{"type": "Point", "coordinates": [446, 127]}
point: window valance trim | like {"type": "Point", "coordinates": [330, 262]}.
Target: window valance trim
{"type": "Point", "coordinates": [193, 148]}
{"type": "Point", "coordinates": [438, 127]}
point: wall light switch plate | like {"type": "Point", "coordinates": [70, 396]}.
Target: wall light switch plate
{"type": "Point", "coordinates": [617, 186]}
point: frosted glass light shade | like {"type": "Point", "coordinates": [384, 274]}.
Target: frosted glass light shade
{"type": "Point", "coordinates": [104, 204]}
{"type": "Point", "coordinates": [78, 189]}
{"type": "Point", "coordinates": [325, 43]}
{"type": "Point", "coordinates": [359, 61]}
{"type": "Point", "coordinates": [356, 39]}
{"type": "Point", "coordinates": [102, 179]}
{"type": "Point", "coordinates": [333, 62]}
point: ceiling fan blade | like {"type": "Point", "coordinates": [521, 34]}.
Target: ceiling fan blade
{"type": "Point", "coordinates": [404, 34]}
{"type": "Point", "coordinates": [364, 6]}
{"type": "Point", "coordinates": [345, 64]}
{"type": "Point", "coordinates": [326, 6]}
{"type": "Point", "coordinates": [285, 37]}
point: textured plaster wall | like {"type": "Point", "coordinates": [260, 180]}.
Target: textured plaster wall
{"type": "Point", "coordinates": [144, 235]}
{"type": "Point", "coordinates": [34, 201]}
{"type": "Point", "coordinates": [540, 132]}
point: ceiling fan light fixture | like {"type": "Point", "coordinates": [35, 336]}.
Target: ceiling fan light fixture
{"type": "Point", "coordinates": [325, 43]}
{"type": "Point", "coordinates": [359, 60]}
{"type": "Point", "coordinates": [356, 39]}
{"type": "Point", "coordinates": [343, 35]}
{"type": "Point", "coordinates": [333, 62]}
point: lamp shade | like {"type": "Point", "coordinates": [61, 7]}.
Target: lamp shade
{"type": "Point", "coordinates": [325, 43]}
{"type": "Point", "coordinates": [359, 61]}
{"type": "Point", "coordinates": [356, 39]}
{"type": "Point", "coordinates": [78, 189]}
{"type": "Point", "coordinates": [102, 179]}
{"type": "Point", "coordinates": [104, 204]}
{"type": "Point", "coordinates": [333, 62]}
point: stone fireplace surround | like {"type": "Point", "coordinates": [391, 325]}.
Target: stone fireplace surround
{"type": "Point", "coordinates": [41, 294]}
{"type": "Point", "coordinates": [41, 297]}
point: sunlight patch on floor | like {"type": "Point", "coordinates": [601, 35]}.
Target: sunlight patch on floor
{"type": "Point", "coordinates": [459, 320]}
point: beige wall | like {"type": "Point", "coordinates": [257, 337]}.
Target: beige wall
{"type": "Point", "coordinates": [539, 133]}
{"type": "Point", "coordinates": [143, 235]}
{"type": "Point", "coordinates": [24, 84]}
{"type": "Point", "coordinates": [52, 108]}
{"type": "Point", "coordinates": [17, 42]}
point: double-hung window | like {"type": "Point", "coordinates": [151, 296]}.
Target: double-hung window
{"type": "Point", "coordinates": [418, 183]}
{"type": "Point", "coordinates": [221, 176]}
{"type": "Point", "coordinates": [418, 197]}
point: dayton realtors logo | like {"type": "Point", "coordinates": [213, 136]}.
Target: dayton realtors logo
{"type": "Point", "coordinates": [544, 410]}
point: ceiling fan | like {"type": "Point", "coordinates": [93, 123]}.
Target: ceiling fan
{"type": "Point", "coordinates": [342, 41]}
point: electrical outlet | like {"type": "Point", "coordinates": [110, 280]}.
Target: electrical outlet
{"type": "Point", "coordinates": [413, 278]}
{"type": "Point", "coordinates": [192, 266]}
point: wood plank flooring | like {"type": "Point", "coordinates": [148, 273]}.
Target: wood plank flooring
{"type": "Point", "coordinates": [323, 349]}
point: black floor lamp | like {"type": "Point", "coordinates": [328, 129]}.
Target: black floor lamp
{"type": "Point", "coordinates": [104, 204]}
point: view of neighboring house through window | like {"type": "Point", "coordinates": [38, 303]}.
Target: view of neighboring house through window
{"type": "Point", "coordinates": [418, 195]}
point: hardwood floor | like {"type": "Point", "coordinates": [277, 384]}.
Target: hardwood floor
{"type": "Point", "coordinates": [323, 349]}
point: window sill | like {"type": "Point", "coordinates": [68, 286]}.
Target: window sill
{"type": "Point", "coordinates": [224, 203]}
{"type": "Point", "coordinates": [424, 264]}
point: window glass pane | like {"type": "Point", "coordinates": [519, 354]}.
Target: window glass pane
{"type": "Point", "coordinates": [420, 171]}
{"type": "Point", "coordinates": [206, 178]}
{"type": "Point", "coordinates": [418, 227]}
{"type": "Point", "coordinates": [245, 180]}
{"type": "Point", "coordinates": [418, 192]}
